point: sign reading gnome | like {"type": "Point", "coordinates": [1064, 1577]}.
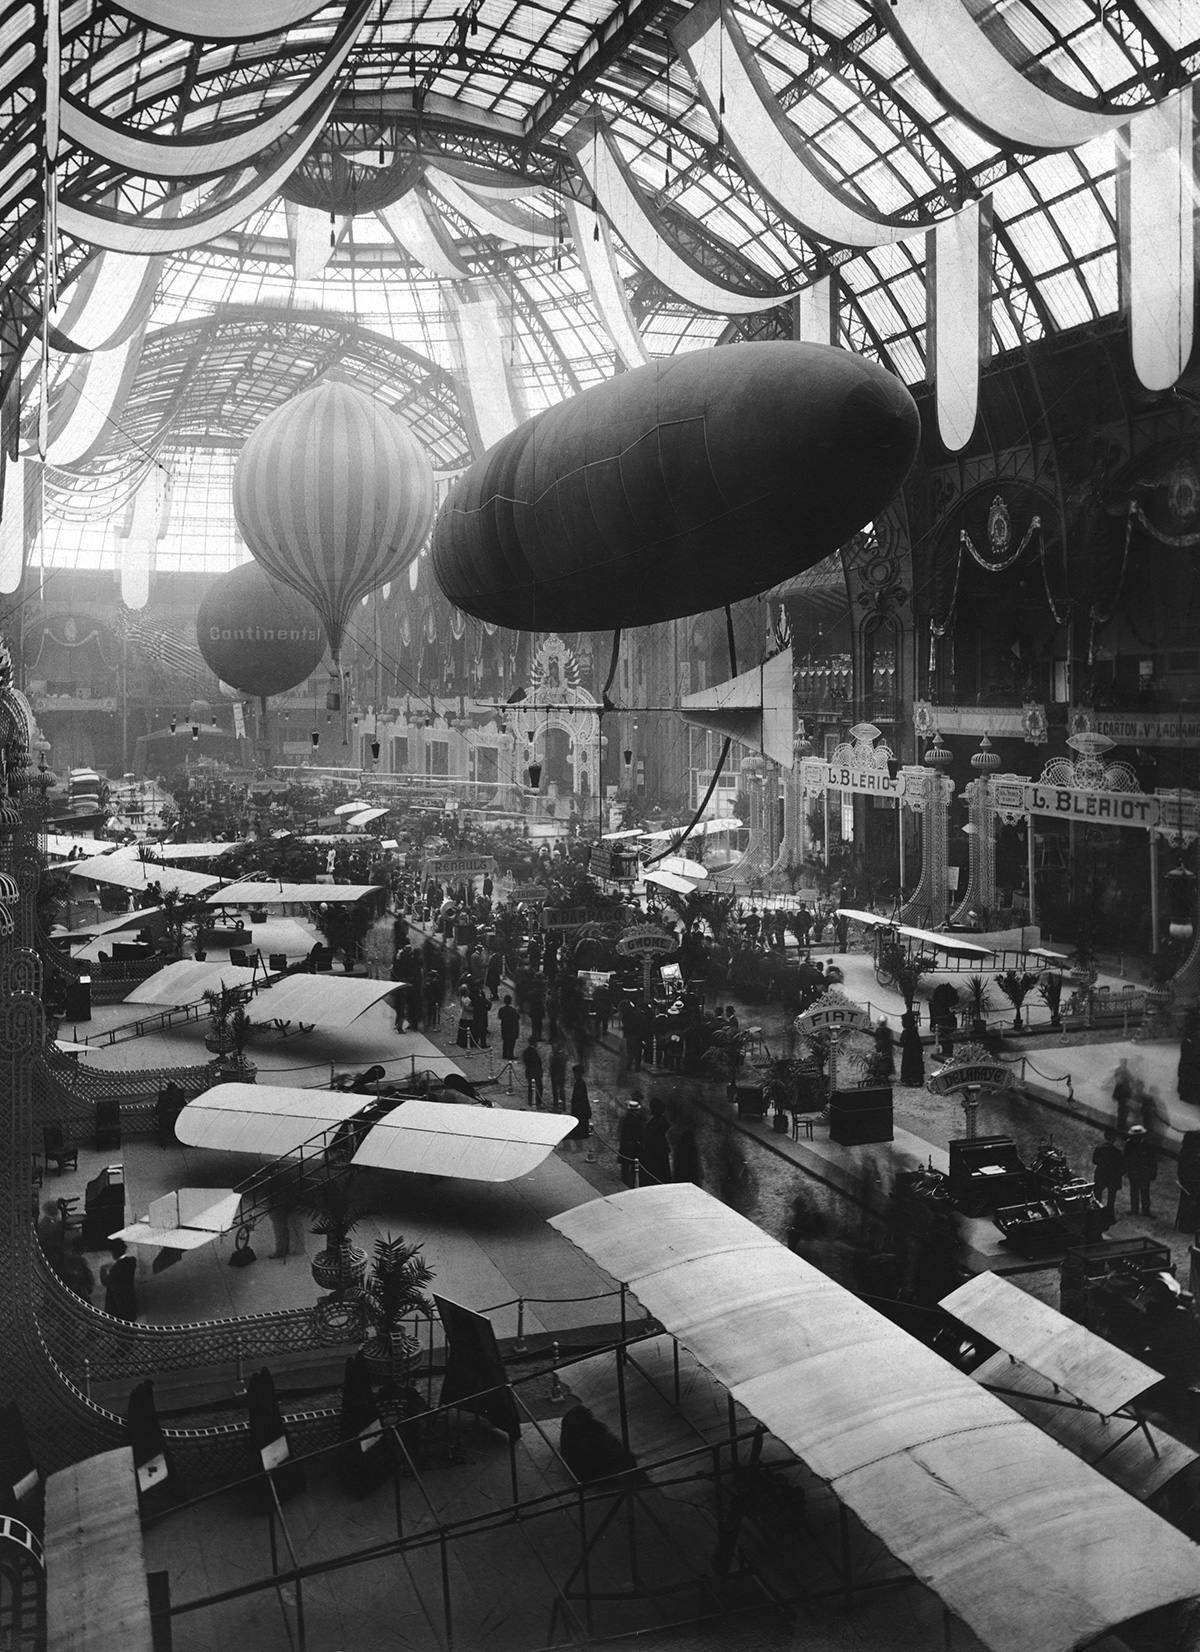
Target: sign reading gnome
{"type": "Point", "coordinates": [647, 942]}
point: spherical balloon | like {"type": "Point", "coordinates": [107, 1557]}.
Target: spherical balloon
{"type": "Point", "coordinates": [256, 635]}
{"type": "Point", "coordinates": [695, 481]}
{"type": "Point", "coordinates": [334, 495]}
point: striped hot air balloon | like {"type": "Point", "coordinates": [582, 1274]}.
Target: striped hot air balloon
{"type": "Point", "coordinates": [334, 495]}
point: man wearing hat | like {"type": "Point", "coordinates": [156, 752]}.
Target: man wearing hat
{"type": "Point", "coordinates": [1141, 1166]}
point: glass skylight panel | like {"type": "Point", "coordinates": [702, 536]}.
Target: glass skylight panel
{"type": "Point", "coordinates": [1082, 221]}
{"type": "Point", "coordinates": [907, 358]}
{"type": "Point", "coordinates": [1039, 247]}
{"type": "Point", "coordinates": [1028, 27]}
{"type": "Point", "coordinates": [1065, 298]}
{"type": "Point", "coordinates": [1102, 278]}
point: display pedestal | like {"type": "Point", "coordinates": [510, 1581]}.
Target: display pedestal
{"type": "Point", "coordinates": [859, 1116]}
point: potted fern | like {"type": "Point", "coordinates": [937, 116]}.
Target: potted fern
{"type": "Point", "coordinates": [393, 1293]}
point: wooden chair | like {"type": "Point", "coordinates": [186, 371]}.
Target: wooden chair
{"type": "Point", "coordinates": [62, 1154]}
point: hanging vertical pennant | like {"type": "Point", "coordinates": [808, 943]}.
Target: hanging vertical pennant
{"type": "Point", "coordinates": [239, 720]}
{"type": "Point", "coordinates": [958, 311]}
{"type": "Point", "coordinates": [1158, 238]}
{"type": "Point", "coordinates": [312, 237]}
{"type": "Point", "coordinates": [146, 522]}
{"type": "Point", "coordinates": [815, 312]}
{"type": "Point", "coordinates": [12, 525]}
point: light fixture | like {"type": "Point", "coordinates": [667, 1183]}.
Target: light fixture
{"type": "Point", "coordinates": [195, 731]}
{"type": "Point", "coordinates": [174, 724]}
{"type": "Point", "coordinates": [316, 738]}
{"type": "Point", "coordinates": [627, 754]}
{"type": "Point", "coordinates": [535, 774]}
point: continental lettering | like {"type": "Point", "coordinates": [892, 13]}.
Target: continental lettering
{"type": "Point", "coordinates": [263, 633]}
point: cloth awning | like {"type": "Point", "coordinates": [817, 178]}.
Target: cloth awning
{"type": "Point", "coordinates": [1075, 1359]}
{"type": "Point", "coordinates": [109, 926]}
{"type": "Point", "coordinates": [128, 873]}
{"type": "Point", "coordinates": [185, 1220]}
{"type": "Point", "coordinates": [682, 867]}
{"type": "Point", "coordinates": [187, 981]}
{"type": "Point", "coordinates": [63, 844]}
{"type": "Point", "coordinates": [320, 1000]}
{"type": "Point", "coordinates": [1138, 1457]}
{"type": "Point", "coordinates": [1026, 1544]}
{"type": "Point", "coordinates": [289, 894]}
{"type": "Point", "coordinates": [476, 1144]}
{"type": "Point", "coordinates": [945, 943]}
{"type": "Point", "coordinates": [185, 851]}
{"type": "Point", "coordinates": [669, 880]}
{"type": "Point", "coordinates": [268, 1120]}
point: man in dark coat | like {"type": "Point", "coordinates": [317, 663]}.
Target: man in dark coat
{"type": "Point", "coordinates": [656, 1148]}
{"type": "Point", "coordinates": [509, 1018]}
{"type": "Point", "coordinates": [1141, 1167]}
{"type": "Point", "coordinates": [1110, 1172]}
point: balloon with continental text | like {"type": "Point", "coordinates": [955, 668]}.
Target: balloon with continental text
{"type": "Point", "coordinates": [257, 635]}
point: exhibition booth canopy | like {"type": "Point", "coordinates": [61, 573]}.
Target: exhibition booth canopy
{"type": "Point", "coordinates": [1017, 1537]}
{"type": "Point", "coordinates": [475, 1144]}
{"type": "Point", "coordinates": [276, 893]}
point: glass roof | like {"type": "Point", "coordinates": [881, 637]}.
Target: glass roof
{"type": "Point", "coordinates": [496, 86]}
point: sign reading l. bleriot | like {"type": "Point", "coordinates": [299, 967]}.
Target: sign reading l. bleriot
{"type": "Point", "coordinates": [817, 776]}
{"type": "Point", "coordinates": [834, 1017]}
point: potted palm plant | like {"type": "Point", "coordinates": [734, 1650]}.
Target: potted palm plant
{"type": "Point", "coordinates": [393, 1293]}
{"type": "Point", "coordinates": [1050, 990]}
{"type": "Point", "coordinates": [341, 1267]}
{"type": "Point", "coordinates": [1016, 987]}
{"type": "Point", "coordinates": [221, 1001]}
{"type": "Point", "coordinates": [977, 998]}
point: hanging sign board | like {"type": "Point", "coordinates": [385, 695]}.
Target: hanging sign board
{"type": "Point", "coordinates": [458, 866]}
{"type": "Point", "coordinates": [834, 1018]}
{"type": "Point", "coordinates": [646, 941]}
{"type": "Point", "coordinates": [817, 776]}
{"type": "Point", "coordinates": [992, 1074]}
{"type": "Point", "coordinates": [1106, 808]}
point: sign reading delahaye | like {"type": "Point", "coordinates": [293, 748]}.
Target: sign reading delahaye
{"type": "Point", "coordinates": [992, 1075]}
{"type": "Point", "coordinates": [646, 941]}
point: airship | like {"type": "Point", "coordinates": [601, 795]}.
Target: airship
{"type": "Point", "coordinates": [672, 489]}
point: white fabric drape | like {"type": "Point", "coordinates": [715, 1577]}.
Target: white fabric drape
{"type": "Point", "coordinates": [593, 245]}
{"type": "Point", "coordinates": [814, 312]}
{"type": "Point", "coordinates": [145, 523]}
{"type": "Point", "coordinates": [219, 19]}
{"type": "Point", "coordinates": [1158, 239]}
{"type": "Point", "coordinates": [768, 148]}
{"type": "Point", "coordinates": [12, 525]}
{"type": "Point", "coordinates": [188, 156]}
{"type": "Point", "coordinates": [308, 233]}
{"type": "Point", "coordinates": [610, 181]}
{"type": "Point", "coordinates": [412, 224]}
{"type": "Point", "coordinates": [483, 371]}
{"type": "Point", "coordinates": [517, 228]}
{"type": "Point", "coordinates": [110, 299]}
{"type": "Point", "coordinates": [487, 185]}
{"type": "Point", "coordinates": [93, 398]}
{"type": "Point", "coordinates": [972, 75]}
{"type": "Point", "coordinates": [234, 199]}
{"type": "Point", "coordinates": [958, 277]}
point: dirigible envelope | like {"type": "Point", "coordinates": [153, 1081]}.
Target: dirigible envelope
{"type": "Point", "coordinates": [692, 482]}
